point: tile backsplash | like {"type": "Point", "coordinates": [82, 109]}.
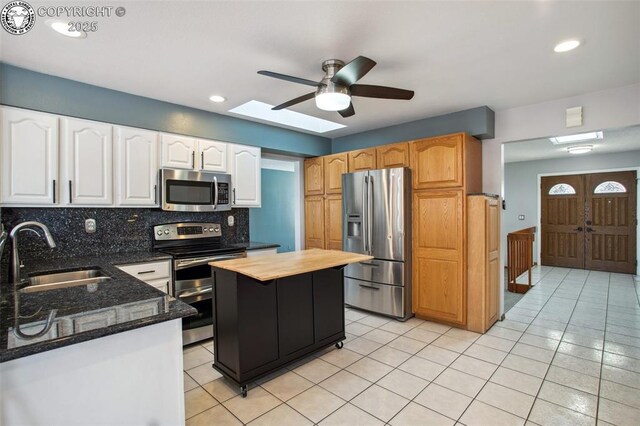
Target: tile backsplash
{"type": "Point", "coordinates": [118, 230]}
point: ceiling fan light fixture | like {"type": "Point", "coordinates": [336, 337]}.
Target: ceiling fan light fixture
{"type": "Point", "coordinates": [332, 97]}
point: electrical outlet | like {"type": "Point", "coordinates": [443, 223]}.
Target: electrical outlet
{"type": "Point", "coordinates": [231, 221]}
{"type": "Point", "coordinates": [90, 226]}
{"type": "Point", "coordinates": [521, 217]}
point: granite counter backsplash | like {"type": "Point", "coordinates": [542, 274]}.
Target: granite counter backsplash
{"type": "Point", "coordinates": [118, 230]}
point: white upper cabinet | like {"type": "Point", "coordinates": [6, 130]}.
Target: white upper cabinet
{"type": "Point", "coordinates": [178, 152]}
{"type": "Point", "coordinates": [136, 167]}
{"type": "Point", "coordinates": [28, 157]}
{"type": "Point", "coordinates": [244, 166]}
{"type": "Point", "coordinates": [213, 155]}
{"type": "Point", "coordinates": [86, 159]}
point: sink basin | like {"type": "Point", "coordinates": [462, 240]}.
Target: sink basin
{"type": "Point", "coordinates": [65, 279]}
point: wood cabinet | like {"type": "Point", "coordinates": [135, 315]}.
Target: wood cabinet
{"type": "Point", "coordinates": [439, 290]}
{"type": "Point", "coordinates": [86, 159]}
{"type": "Point", "coordinates": [28, 157]}
{"type": "Point", "coordinates": [178, 152]}
{"type": "Point", "coordinates": [136, 167]}
{"type": "Point", "coordinates": [314, 176]}
{"type": "Point", "coordinates": [314, 221]}
{"type": "Point", "coordinates": [213, 156]}
{"type": "Point", "coordinates": [334, 166]}
{"type": "Point", "coordinates": [246, 178]}
{"type": "Point", "coordinates": [483, 262]}
{"type": "Point", "coordinates": [394, 155]}
{"type": "Point", "coordinates": [333, 222]}
{"type": "Point", "coordinates": [362, 159]}
{"type": "Point", "coordinates": [447, 162]}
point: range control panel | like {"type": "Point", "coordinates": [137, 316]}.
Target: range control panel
{"type": "Point", "coordinates": [183, 231]}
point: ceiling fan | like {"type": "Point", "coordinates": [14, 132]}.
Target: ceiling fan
{"type": "Point", "coordinates": [334, 91]}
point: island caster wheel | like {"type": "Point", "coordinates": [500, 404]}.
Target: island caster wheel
{"type": "Point", "coordinates": [243, 391]}
{"type": "Point", "coordinates": [339, 345]}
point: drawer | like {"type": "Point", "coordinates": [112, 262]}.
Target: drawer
{"type": "Point", "coordinates": [381, 298]}
{"type": "Point", "coordinates": [148, 271]}
{"type": "Point", "coordinates": [379, 271]}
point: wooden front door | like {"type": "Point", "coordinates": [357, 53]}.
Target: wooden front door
{"type": "Point", "coordinates": [562, 221]}
{"type": "Point", "coordinates": [589, 221]}
{"type": "Point", "coordinates": [610, 222]}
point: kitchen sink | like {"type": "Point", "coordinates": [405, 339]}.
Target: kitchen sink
{"type": "Point", "coordinates": [65, 279]}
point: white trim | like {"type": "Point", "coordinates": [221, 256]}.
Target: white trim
{"type": "Point", "coordinates": [580, 172]}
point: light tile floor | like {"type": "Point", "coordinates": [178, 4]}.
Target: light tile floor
{"type": "Point", "coordinates": [567, 353]}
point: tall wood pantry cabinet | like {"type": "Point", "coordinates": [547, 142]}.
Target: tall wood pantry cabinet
{"type": "Point", "coordinates": [445, 169]}
{"type": "Point", "coordinates": [483, 265]}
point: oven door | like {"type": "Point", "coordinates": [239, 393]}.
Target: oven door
{"type": "Point", "coordinates": [193, 284]}
{"type": "Point", "coordinates": [183, 190]}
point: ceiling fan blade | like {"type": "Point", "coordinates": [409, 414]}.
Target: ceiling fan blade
{"type": "Point", "coordinates": [347, 112]}
{"type": "Point", "coordinates": [353, 71]}
{"type": "Point", "coordinates": [383, 92]}
{"type": "Point", "coordinates": [295, 101]}
{"type": "Point", "coordinates": [289, 78]}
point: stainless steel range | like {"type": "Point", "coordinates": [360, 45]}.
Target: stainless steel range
{"type": "Point", "coordinates": [193, 246]}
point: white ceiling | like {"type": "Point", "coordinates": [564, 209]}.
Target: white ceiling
{"type": "Point", "coordinates": [454, 54]}
{"type": "Point", "coordinates": [613, 140]}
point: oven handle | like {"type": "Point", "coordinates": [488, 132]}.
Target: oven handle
{"type": "Point", "coordinates": [181, 264]}
{"type": "Point", "coordinates": [195, 293]}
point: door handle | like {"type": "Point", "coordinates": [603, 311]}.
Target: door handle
{"type": "Point", "coordinates": [70, 192]}
{"type": "Point", "coordinates": [54, 191]}
{"type": "Point", "coordinates": [155, 194]}
{"type": "Point", "coordinates": [579, 229]}
{"type": "Point", "coordinates": [193, 160]}
{"type": "Point", "coordinates": [215, 192]}
{"type": "Point", "coordinates": [369, 287]}
{"type": "Point", "coordinates": [365, 220]}
{"type": "Point", "coordinates": [589, 229]}
{"type": "Point", "coordinates": [202, 160]}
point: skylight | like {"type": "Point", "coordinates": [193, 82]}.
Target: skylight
{"type": "Point", "coordinates": [576, 138]}
{"type": "Point", "coordinates": [263, 111]}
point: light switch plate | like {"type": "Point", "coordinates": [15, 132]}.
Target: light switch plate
{"type": "Point", "coordinates": [90, 226]}
{"type": "Point", "coordinates": [231, 220]}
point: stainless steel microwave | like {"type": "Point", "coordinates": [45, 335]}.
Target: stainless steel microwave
{"type": "Point", "coordinates": [187, 191]}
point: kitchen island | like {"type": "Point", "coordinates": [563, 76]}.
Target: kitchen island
{"type": "Point", "coordinates": [273, 310]}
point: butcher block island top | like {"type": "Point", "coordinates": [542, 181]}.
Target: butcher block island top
{"type": "Point", "coordinates": [274, 266]}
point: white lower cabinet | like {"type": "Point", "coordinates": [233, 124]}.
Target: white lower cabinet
{"type": "Point", "coordinates": [28, 157]}
{"type": "Point", "coordinates": [157, 274]}
{"type": "Point", "coordinates": [244, 167]}
{"type": "Point", "coordinates": [136, 167]}
{"type": "Point", "coordinates": [86, 159]}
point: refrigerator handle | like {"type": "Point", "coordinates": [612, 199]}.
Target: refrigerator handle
{"type": "Point", "coordinates": [365, 225]}
{"type": "Point", "coordinates": [370, 214]}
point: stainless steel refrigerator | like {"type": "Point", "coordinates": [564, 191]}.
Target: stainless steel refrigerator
{"type": "Point", "coordinates": [376, 208]}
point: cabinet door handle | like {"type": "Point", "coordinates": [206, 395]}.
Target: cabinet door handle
{"type": "Point", "coordinates": [193, 159]}
{"type": "Point", "coordinates": [579, 229]}
{"type": "Point", "coordinates": [590, 229]}
{"type": "Point", "coordinates": [54, 191]}
{"type": "Point", "coordinates": [146, 272]}
{"type": "Point", "coordinates": [155, 194]}
{"type": "Point", "coordinates": [202, 161]}
{"type": "Point", "coordinates": [369, 287]}
{"type": "Point", "coordinates": [70, 192]}
{"type": "Point", "coordinates": [234, 195]}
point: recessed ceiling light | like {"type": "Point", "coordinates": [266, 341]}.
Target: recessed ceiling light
{"type": "Point", "coordinates": [566, 46]}
{"type": "Point", "coordinates": [263, 111]}
{"type": "Point", "coordinates": [576, 138]}
{"type": "Point", "coordinates": [63, 28]}
{"type": "Point", "coordinates": [217, 98]}
{"type": "Point", "coordinates": [582, 149]}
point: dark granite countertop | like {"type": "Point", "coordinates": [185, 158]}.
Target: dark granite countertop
{"type": "Point", "coordinates": [255, 245]}
{"type": "Point", "coordinates": [84, 312]}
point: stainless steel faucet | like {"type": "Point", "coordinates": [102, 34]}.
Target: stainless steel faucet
{"type": "Point", "coordinates": [25, 226]}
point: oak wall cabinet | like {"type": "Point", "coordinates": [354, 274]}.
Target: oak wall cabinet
{"type": "Point", "coordinates": [314, 176]}
{"type": "Point", "coordinates": [394, 155]}
{"type": "Point", "coordinates": [362, 159]}
{"type": "Point", "coordinates": [334, 166]}
{"type": "Point", "coordinates": [483, 261]}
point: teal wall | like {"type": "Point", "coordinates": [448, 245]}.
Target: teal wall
{"type": "Point", "coordinates": [32, 90]}
{"type": "Point", "coordinates": [478, 122]}
{"type": "Point", "coordinates": [275, 221]}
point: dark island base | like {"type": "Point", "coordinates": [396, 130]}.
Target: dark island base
{"type": "Point", "coordinates": [262, 326]}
